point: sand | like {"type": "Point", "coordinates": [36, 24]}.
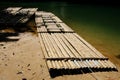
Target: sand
{"type": "Point", "coordinates": [21, 58]}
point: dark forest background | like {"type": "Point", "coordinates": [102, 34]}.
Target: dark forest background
{"type": "Point", "coordinates": [70, 1]}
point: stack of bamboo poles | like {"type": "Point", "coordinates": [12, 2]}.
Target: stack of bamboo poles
{"type": "Point", "coordinates": [12, 10]}
{"type": "Point", "coordinates": [65, 49]}
{"type": "Point", "coordinates": [7, 14]}
{"type": "Point", "coordinates": [26, 13]}
{"type": "Point", "coordinates": [16, 15]}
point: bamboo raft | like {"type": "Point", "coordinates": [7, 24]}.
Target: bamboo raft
{"type": "Point", "coordinates": [64, 49]}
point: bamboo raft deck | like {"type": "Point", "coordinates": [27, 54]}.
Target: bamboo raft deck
{"type": "Point", "coordinates": [16, 15]}
{"type": "Point", "coordinates": [64, 49]}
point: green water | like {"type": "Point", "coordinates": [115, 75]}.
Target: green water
{"type": "Point", "coordinates": [99, 25]}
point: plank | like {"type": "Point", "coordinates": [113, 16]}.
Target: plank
{"type": "Point", "coordinates": [38, 20]}
{"type": "Point", "coordinates": [38, 14]}
{"type": "Point", "coordinates": [65, 27]}
{"type": "Point", "coordinates": [53, 25]}
{"type": "Point", "coordinates": [52, 28]}
{"type": "Point", "coordinates": [43, 13]}
{"type": "Point", "coordinates": [50, 24]}
{"type": "Point", "coordinates": [48, 20]}
{"type": "Point", "coordinates": [57, 20]}
{"type": "Point", "coordinates": [42, 29]}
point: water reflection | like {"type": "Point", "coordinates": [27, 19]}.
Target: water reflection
{"type": "Point", "coordinates": [63, 9]}
{"type": "Point", "coordinates": [58, 8]}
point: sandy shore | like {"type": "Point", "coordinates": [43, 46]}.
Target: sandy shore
{"type": "Point", "coordinates": [21, 58]}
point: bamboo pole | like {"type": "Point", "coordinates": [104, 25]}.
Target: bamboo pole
{"type": "Point", "coordinates": [75, 53]}
{"type": "Point", "coordinates": [49, 64]}
{"type": "Point", "coordinates": [60, 46]}
{"type": "Point", "coordinates": [68, 52]}
{"type": "Point", "coordinates": [49, 45]}
{"type": "Point", "coordinates": [89, 46]}
{"type": "Point", "coordinates": [43, 46]}
{"type": "Point", "coordinates": [46, 45]}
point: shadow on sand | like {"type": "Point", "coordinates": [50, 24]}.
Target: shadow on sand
{"type": "Point", "coordinates": [7, 31]}
{"type": "Point", "coordinates": [4, 37]}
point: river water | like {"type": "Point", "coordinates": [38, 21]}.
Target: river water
{"type": "Point", "coordinates": [97, 24]}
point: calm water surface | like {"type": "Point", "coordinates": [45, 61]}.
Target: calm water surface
{"type": "Point", "coordinates": [99, 25]}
